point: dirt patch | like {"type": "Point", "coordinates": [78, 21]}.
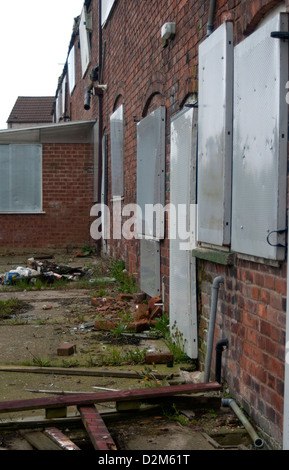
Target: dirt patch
{"type": "Point", "coordinates": [51, 317]}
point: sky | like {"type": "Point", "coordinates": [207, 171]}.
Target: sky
{"type": "Point", "coordinates": [34, 40]}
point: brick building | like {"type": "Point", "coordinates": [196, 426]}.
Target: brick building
{"type": "Point", "coordinates": [31, 111]}
{"type": "Point", "coordinates": [190, 108]}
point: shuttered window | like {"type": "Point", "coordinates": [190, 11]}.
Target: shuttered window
{"type": "Point", "coordinates": [85, 49]}
{"type": "Point", "coordinates": [117, 149]}
{"type": "Point", "coordinates": [71, 70]}
{"type": "Point", "coordinates": [21, 178]}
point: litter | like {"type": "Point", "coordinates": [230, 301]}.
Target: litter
{"type": "Point", "coordinates": [45, 270]}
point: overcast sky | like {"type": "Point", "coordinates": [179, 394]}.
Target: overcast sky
{"type": "Point", "coordinates": [34, 40]}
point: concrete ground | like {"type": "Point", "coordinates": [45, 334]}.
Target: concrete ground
{"type": "Point", "coordinates": [51, 318]}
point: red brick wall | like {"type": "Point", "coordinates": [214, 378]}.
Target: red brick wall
{"type": "Point", "coordinates": [67, 199]}
{"type": "Point", "coordinates": [141, 74]}
{"type": "Point", "coordinates": [251, 315]}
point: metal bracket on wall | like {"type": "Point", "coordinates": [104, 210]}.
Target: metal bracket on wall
{"type": "Point", "coordinates": [277, 231]}
{"type": "Point", "coordinates": [280, 34]}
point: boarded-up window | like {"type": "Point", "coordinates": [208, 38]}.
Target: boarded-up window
{"type": "Point", "coordinates": [151, 173]}
{"type": "Point", "coordinates": [260, 142]}
{"type": "Point", "coordinates": [71, 69]}
{"type": "Point", "coordinates": [63, 90]}
{"type": "Point", "coordinates": [85, 49]}
{"type": "Point", "coordinates": [106, 7]}
{"type": "Point", "coordinates": [117, 149]}
{"type": "Point", "coordinates": [215, 136]}
{"type": "Point", "coordinates": [20, 178]}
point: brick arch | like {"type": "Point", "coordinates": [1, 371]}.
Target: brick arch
{"type": "Point", "coordinates": [256, 12]}
{"type": "Point", "coordinates": [154, 101]}
{"type": "Point", "coordinates": [118, 101]}
{"type": "Point", "coordinates": [154, 96]}
{"type": "Point", "coordinates": [189, 98]}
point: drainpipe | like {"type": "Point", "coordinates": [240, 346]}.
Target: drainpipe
{"type": "Point", "coordinates": [223, 343]}
{"type": "Point", "coordinates": [286, 378]}
{"type": "Point", "coordinates": [215, 291]}
{"type": "Point", "coordinates": [100, 96]}
{"type": "Point", "coordinates": [258, 442]}
{"type": "Point", "coordinates": [210, 25]}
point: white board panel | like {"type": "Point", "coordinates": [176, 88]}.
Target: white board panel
{"type": "Point", "coordinates": [260, 141]}
{"type": "Point", "coordinates": [183, 296]}
{"type": "Point", "coordinates": [71, 70]}
{"type": "Point", "coordinates": [215, 136]}
{"type": "Point", "coordinates": [151, 173]}
{"type": "Point", "coordinates": [106, 6]}
{"type": "Point", "coordinates": [117, 149]}
{"type": "Point", "coordinates": [85, 50]}
{"type": "Point", "coordinates": [150, 267]}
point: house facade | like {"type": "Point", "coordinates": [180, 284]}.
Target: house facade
{"type": "Point", "coordinates": [189, 107]}
{"type": "Point", "coordinates": [31, 111]}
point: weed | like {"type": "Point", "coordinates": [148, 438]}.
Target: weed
{"type": "Point", "coordinates": [161, 327]}
{"type": "Point", "coordinates": [69, 364]}
{"type": "Point", "coordinates": [38, 361]}
{"type": "Point", "coordinates": [87, 249]}
{"type": "Point", "coordinates": [147, 375]}
{"type": "Point", "coordinates": [10, 307]}
{"type": "Point", "coordinates": [125, 319]}
{"type": "Point", "coordinates": [101, 293]}
{"type": "Point", "coordinates": [126, 282]}
{"type": "Point", "coordinates": [116, 357]}
{"type": "Point", "coordinates": [171, 412]}
{"type": "Point", "coordinates": [175, 343]}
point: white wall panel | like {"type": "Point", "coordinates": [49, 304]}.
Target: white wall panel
{"type": "Point", "coordinates": [71, 69]}
{"type": "Point", "coordinates": [117, 149]}
{"type": "Point", "coordinates": [183, 296]}
{"type": "Point", "coordinates": [106, 6]}
{"type": "Point", "coordinates": [150, 267]}
{"type": "Point", "coordinates": [151, 172]}
{"type": "Point", "coordinates": [260, 141]}
{"type": "Point", "coordinates": [215, 136]}
{"type": "Point", "coordinates": [85, 49]}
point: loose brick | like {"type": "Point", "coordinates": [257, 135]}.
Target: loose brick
{"type": "Point", "coordinates": [158, 357]}
{"type": "Point", "coordinates": [66, 349]}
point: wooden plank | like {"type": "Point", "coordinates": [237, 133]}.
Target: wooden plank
{"type": "Point", "coordinates": [39, 441]}
{"type": "Point", "coordinates": [96, 429]}
{"type": "Point", "coordinates": [128, 374]}
{"type": "Point", "coordinates": [60, 439]}
{"type": "Point", "coordinates": [102, 397]}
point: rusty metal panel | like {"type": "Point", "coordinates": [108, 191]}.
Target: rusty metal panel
{"type": "Point", "coordinates": [260, 142]}
{"type": "Point", "coordinates": [215, 136]}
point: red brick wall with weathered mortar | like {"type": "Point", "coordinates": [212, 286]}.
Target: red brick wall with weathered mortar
{"type": "Point", "coordinates": [67, 199]}
{"type": "Point", "coordinates": [142, 75]}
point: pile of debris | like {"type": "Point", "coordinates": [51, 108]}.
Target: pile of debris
{"type": "Point", "coordinates": [45, 270]}
{"type": "Point", "coordinates": [130, 310]}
